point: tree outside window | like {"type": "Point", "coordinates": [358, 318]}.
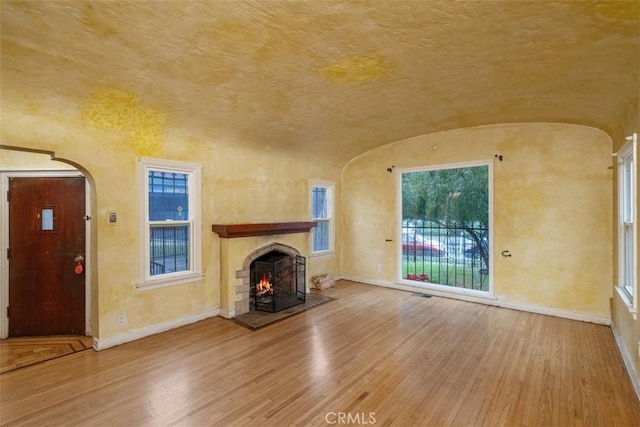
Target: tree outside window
{"type": "Point", "coordinates": [445, 226]}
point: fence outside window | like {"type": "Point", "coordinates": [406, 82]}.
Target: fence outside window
{"type": "Point", "coordinates": [445, 254]}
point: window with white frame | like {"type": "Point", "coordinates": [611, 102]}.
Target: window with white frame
{"type": "Point", "coordinates": [627, 223]}
{"type": "Point", "coordinates": [322, 213]}
{"type": "Point", "coordinates": [169, 222]}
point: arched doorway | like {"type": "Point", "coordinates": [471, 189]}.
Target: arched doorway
{"type": "Point", "coordinates": [46, 235]}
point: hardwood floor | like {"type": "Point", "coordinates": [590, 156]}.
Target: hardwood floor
{"type": "Point", "coordinates": [17, 353]}
{"type": "Point", "coordinates": [373, 356]}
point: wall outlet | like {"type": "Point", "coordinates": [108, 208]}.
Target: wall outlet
{"type": "Point", "coordinates": [122, 319]}
{"type": "Point", "coordinates": [379, 268]}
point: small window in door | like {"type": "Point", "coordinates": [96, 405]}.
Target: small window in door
{"type": "Point", "coordinates": [47, 218]}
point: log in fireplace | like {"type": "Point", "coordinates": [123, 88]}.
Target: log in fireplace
{"type": "Point", "coordinates": [277, 281]}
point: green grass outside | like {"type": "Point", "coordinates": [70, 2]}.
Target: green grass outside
{"type": "Point", "coordinates": [445, 274]}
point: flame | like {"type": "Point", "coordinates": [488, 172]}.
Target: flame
{"type": "Point", "coordinates": [264, 286]}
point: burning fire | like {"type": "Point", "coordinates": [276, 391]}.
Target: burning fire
{"type": "Point", "coordinates": [264, 286]}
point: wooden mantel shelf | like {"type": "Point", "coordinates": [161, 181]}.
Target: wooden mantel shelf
{"type": "Point", "coordinates": [230, 231]}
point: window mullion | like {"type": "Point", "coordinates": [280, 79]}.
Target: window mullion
{"type": "Point", "coordinates": [322, 213]}
{"type": "Point", "coordinates": [627, 206]}
{"type": "Point", "coordinates": [169, 224]}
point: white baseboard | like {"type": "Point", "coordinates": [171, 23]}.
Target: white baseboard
{"type": "Point", "coordinates": [135, 334]}
{"type": "Point", "coordinates": [490, 300]}
{"type": "Point", "coordinates": [627, 359]}
{"type": "Point", "coordinates": [556, 312]}
{"type": "Point", "coordinates": [227, 314]}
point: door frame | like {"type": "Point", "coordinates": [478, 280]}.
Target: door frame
{"type": "Point", "coordinates": [4, 244]}
{"type": "Point", "coordinates": [489, 163]}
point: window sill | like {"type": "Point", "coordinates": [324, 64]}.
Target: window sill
{"type": "Point", "coordinates": [169, 281]}
{"type": "Point", "coordinates": [626, 298]}
{"type": "Point", "coordinates": [323, 253]}
{"type": "Point", "coordinates": [447, 289]}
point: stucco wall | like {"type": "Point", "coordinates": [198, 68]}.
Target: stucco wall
{"type": "Point", "coordinates": [238, 185]}
{"type": "Point", "coordinates": [11, 160]}
{"type": "Point", "coordinates": [626, 328]}
{"type": "Point", "coordinates": [551, 209]}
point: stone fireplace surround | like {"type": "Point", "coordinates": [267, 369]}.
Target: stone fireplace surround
{"type": "Point", "coordinates": [241, 244]}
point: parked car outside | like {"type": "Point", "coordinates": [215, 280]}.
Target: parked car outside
{"type": "Point", "coordinates": [471, 249]}
{"type": "Point", "coordinates": [414, 243]}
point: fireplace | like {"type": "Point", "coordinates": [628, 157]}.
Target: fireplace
{"type": "Point", "coordinates": [253, 240]}
{"type": "Point", "coordinates": [277, 281]}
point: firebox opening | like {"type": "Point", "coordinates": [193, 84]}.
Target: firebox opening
{"type": "Point", "coordinates": [277, 281]}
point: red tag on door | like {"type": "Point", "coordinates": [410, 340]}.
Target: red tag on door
{"type": "Point", "coordinates": [79, 269]}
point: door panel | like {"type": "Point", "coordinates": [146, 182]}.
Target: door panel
{"type": "Point", "coordinates": [46, 234]}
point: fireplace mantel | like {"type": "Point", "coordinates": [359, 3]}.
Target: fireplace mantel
{"type": "Point", "coordinates": [231, 231]}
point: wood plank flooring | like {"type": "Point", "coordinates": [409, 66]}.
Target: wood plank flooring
{"type": "Point", "coordinates": [20, 352]}
{"type": "Point", "coordinates": [373, 356]}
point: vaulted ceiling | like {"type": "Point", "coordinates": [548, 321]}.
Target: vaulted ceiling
{"type": "Point", "coordinates": [333, 78]}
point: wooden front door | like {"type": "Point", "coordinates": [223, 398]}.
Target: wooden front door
{"type": "Point", "coordinates": [46, 234]}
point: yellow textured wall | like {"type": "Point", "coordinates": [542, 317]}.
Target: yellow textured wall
{"type": "Point", "coordinates": [552, 210]}
{"type": "Point", "coordinates": [18, 160]}
{"type": "Point", "coordinates": [105, 137]}
{"type": "Point", "coordinates": [627, 329]}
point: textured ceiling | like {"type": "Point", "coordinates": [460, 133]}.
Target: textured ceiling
{"type": "Point", "coordinates": [324, 77]}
